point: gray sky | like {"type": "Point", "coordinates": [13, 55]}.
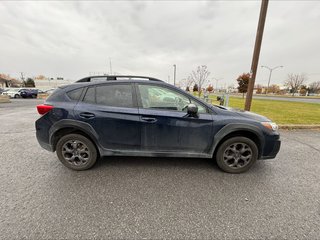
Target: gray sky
{"type": "Point", "coordinates": [72, 39]}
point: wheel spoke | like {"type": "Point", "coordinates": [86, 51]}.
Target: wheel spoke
{"type": "Point", "coordinates": [246, 158]}
{"type": "Point", "coordinates": [83, 150]}
{"type": "Point", "coordinates": [70, 159]}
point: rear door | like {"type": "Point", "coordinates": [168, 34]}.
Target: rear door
{"type": "Point", "coordinates": [165, 125]}
{"type": "Point", "coordinates": [111, 109]}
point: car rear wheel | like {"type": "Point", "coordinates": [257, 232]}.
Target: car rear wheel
{"type": "Point", "coordinates": [17, 96]}
{"type": "Point", "coordinates": [237, 155]}
{"type": "Point", "coordinates": [76, 152]}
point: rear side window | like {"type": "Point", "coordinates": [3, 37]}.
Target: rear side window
{"type": "Point", "coordinates": [75, 94]}
{"type": "Point", "coordinates": [118, 95]}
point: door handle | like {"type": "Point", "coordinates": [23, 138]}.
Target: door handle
{"type": "Point", "coordinates": [87, 115]}
{"type": "Point", "coordinates": [148, 119]}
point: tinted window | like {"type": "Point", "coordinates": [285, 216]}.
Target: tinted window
{"type": "Point", "coordinates": [90, 95]}
{"type": "Point", "coordinates": [75, 94]}
{"type": "Point", "coordinates": [119, 95]}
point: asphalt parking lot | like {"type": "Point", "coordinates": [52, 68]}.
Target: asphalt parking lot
{"type": "Point", "coordinates": [152, 198]}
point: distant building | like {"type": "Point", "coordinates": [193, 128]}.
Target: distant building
{"type": "Point", "coordinates": [45, 84]}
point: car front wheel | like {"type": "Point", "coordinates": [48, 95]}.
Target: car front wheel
{"type": "Point", "coordinates": [76, 152]}
{"type": "Point", "coordinates": [237, 155]}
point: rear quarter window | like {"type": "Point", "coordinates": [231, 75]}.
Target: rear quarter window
{"type": "Point", "coordinates": [75, 94]}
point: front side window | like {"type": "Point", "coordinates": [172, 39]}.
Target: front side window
{"type": "Point", "coordinates": [118, 95]}
{"type": "Point", "coordinates": [157, 97]}
{"type": "Point", "coordinates": [162, 98]}
{"type": "Point", "coordinates": [201, 109]}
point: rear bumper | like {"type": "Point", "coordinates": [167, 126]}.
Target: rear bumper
{"type": "Point", "coordinates": [46, 146]}
{"type": "Point", "coordinates": [42, 134]}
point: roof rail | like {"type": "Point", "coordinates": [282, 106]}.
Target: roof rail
{"type": "Point", "coordinates": [115, 77]}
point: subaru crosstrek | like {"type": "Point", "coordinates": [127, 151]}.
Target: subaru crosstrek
{"type": "Point", "coordinates": [141, 116]}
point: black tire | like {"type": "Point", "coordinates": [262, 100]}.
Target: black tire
{"type": "Point", "coordinates": [76, 152]}
{"type": "Point", "coordinates": [17, 96]}
{"type": "Point", "coordinates": [237, 155]}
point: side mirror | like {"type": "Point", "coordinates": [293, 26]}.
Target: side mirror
{"type": "Point", "coordinates": [192, 110]}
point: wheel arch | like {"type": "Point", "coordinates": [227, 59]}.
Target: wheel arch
{"type": "Point", "coordinates": [67, 126]}
{"type": "Point", "coordinates": [234, 130]}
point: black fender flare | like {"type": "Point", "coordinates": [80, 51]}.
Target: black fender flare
{"type": "Point", "coordinates": [77, 125]}
{"type": "Point", "coordinates": [234, 127]}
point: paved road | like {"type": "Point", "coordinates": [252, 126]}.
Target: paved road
{"type": "Point", "coordinates": [153, 198]}
{"type": "Point", "coordinates": [290, 99]}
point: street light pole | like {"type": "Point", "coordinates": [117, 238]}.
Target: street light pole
{"type": "Point", "coordinates": [174, 74]}
{"type": "Point", "coordinates": [217, 80]}
{"type": "Point", "coordinates": [270, 73]}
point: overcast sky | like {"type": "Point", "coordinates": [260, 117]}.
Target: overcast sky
{"type": "Point", "coordinates": [74, 39]}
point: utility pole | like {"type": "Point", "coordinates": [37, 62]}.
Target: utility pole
{"type": "Point", "coordinates": [256, 53]}
{"type": "Point", "coordinates": [110, 66]}
{"type": "Point", "coordinates": [22, 78]}
{"type": "Point", "coordinates": [174, 74]}
{"type": "Point", "coordinates": [270, 69]}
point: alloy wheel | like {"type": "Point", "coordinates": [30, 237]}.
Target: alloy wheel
{"type": "Point", "coordinates": [75, 152]}
{"type": "Point", "coordinates": [237, 155]}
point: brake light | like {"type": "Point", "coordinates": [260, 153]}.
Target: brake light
{"type": "Point", "coordinates": [43, 109]}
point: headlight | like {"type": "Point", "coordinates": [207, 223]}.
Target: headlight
{"type": "Point", "coordinates": [270, 125]}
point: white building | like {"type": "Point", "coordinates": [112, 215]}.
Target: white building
{"type": "Point", "coordinates": [51, 83]}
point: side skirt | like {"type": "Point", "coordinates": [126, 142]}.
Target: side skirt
{"type": "Point", "coordinates": [153, 154]}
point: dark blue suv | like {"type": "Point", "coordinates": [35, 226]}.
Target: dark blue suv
{"type": "Point", "coordinates": [141, 116]}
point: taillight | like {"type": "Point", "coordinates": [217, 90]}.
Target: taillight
{"type": "Point", "coordinates": [43, 109]}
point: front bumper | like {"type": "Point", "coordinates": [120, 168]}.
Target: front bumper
{"type": "Point", "coordinates": [271, 150]}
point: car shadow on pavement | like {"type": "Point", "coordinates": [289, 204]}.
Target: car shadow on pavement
{"type": "Point", "coordinates": [156, 162]}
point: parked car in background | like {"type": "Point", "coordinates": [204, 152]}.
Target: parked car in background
{"type": "Point", "coordinates": [2, 90]}
{"type": "Point", "coordinates": [13, 92]}
{"type": "Point", "coordinates": [150, 118]}
{"type": "Point", "coordinates": [21, 93]}
{"type": "Point", "coordinates": [29, 93]}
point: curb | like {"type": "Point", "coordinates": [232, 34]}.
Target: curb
{"type": "Point", "coordinates": [4, 99]}
{"type": "Point", "coordinates": [42, 96]}
{"type": "Point", "coordinates": [296, 126]}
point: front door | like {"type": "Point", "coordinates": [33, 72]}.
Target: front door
{"type": "Point", "coordinates": [165, 125]}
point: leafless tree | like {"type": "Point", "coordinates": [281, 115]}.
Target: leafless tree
{"type": "Point", "coordinates": [314, 87]}
{"type": "Point", "coordinates": [200, 76]}
{"type": "Point", "coordinates": [294, 81]}
{"type": "Point", "coordinates": [186, 82]}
